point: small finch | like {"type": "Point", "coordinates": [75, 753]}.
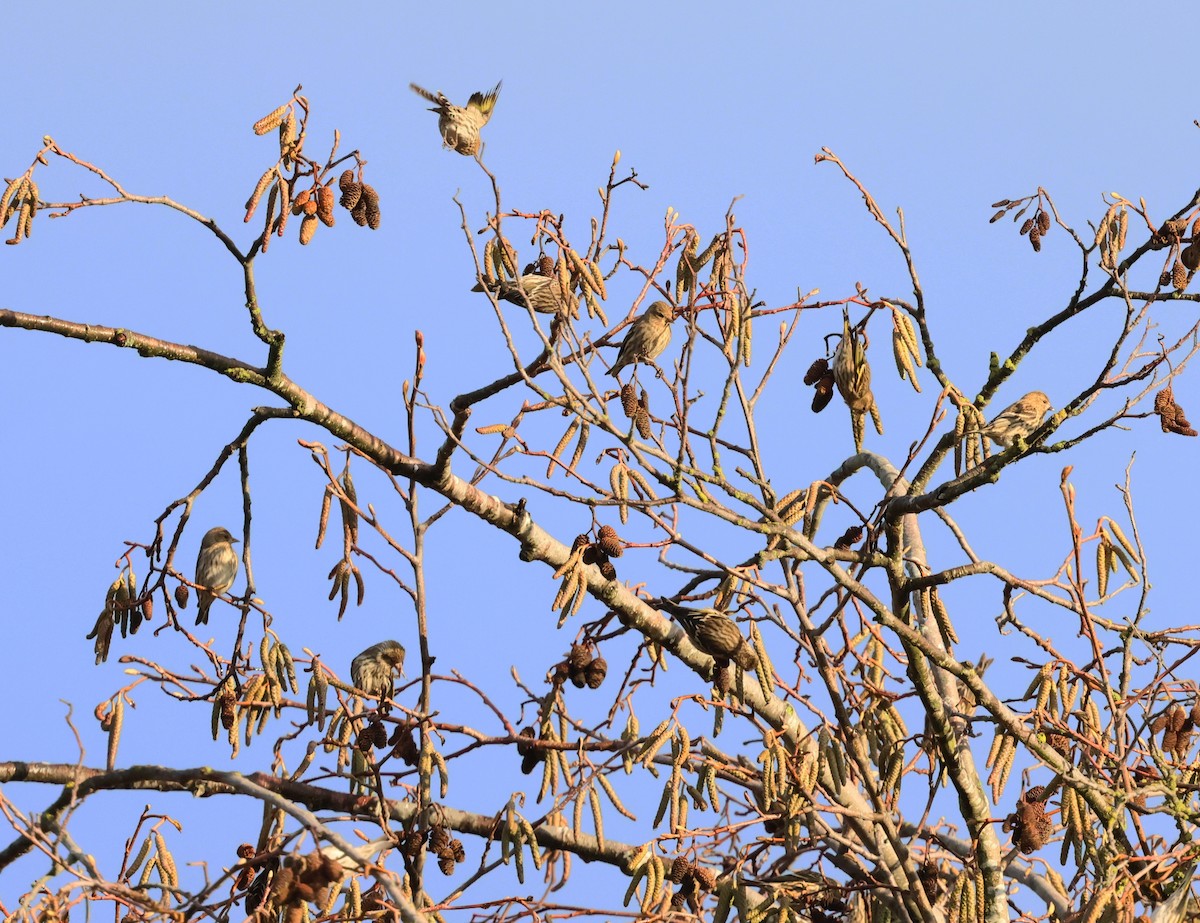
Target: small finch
{"type": "Point", "coordinates": [713, 632]}
{"type": "Point", "coordinates": [216, 566]}
{"type": "Point", "coordinates": [544, 292]}
{"type": "Point", "coordinates": [373, 671]}
{"type": "Point", "coordinates": [460, 126]}
{"type": "Point", "coordinates": [1018, 420]}
{"type": "Point", "coordinates": [359, 855]}
{"type": "Point", "coordinates": [649, 335]}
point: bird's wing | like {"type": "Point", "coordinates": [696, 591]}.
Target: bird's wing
{"type": "Point", "coordinates": [432, 97]}
{"type": "Point", "coordinates": [484, 102]}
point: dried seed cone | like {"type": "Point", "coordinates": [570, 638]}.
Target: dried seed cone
{"type": "Point", "coordinates": [629, 401]}
{"type": "Point", "coordinates": [680, 867]}
{"type": "Point", "coordinates": [308, 228]}
{"type": "Point", "coordinates": [642, 422]}
{"type": "Point", "coordinates": [439, 839]}
{"type": "Point", "coordinates": [1031, 828]}
{"type": "Point", "coordinates": [609, 542]}
{"type": "Point", "coordinates": [351, 193]}
{"type": "Point", "coordinates": [607, 569]}
{"type": "Point", "coordinates": [446, 864]}
{"type": "Point", "coordinates": [816, 371]}
{"type": "Point", "coordinates": [579, 657]}
{"type": "Point", "coordinates": [325, 202]}
{"type": "Point", "coordinates": [1026, 226]}
{"type": "Point", "coordinates": [1043, 221]}
{"type": "Point", "coordinates": [1190, 257]}
{"type": "Point", "coordinates": [595, 673]}
{"type": "Point", "coordinates": [706, 878]}
{"type": "Point", "coordinates": [181, 595]}
{"type": "Point", "coordinates": [1179, 276]}
{"type": "Point", "coordinates": [823, 393]}
{"type": "Point", "coordinates": [852, 536]}
{"type": "Point", "coordinates": [371, 198]}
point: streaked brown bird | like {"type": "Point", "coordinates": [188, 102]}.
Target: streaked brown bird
{"type": "Point", "coordinates": [373, 671]}
{"type": "Point", "coordinates": [460, 125]}
{"type": "Point", "coordinates": [1018, 420]}
{"type": "Point", "coordinates": [649, 335]}
{"type": "Point", "coordinates": [544, 292]}
{"type": "Point", "coordinates": [216, 568]}
{"type": "Point", "coordinates": [713, 632]}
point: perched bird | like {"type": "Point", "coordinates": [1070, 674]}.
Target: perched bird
{"type": "Point", "coordinates": [460, 126]}
{"type": "Point", "coordinates": [373, 671]}
{"type": "Point", "coordinates": [649, 335]}
{"type": "Point", "coordinates": [359, 855]}
{"type": "Point", "coordinates": [216, 566]}
{"type": "Point", "coordinates": [1018, 420]}
{"type": "Point", "coordinates": [544, 292]}
{"type": "Point", "coordinates": [713, 632]}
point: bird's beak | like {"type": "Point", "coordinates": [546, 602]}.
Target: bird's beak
{"type": "Point", "coordinates": [234, 541]}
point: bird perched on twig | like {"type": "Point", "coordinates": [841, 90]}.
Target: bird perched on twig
{"type": "Point", "coordinates": [460, 125]}
{"type": "Point", "coordinates": [1018, 419]}
{"type": "Point", "coordinates": [216, 568]}
{"type": "Point", "coordinates": [713, 632]}
{"type": "Point", "coordinates": [373, 671]}
{"type": "Point", "coordinates": [360, 855]}
{"type": "Point", "coordinates": [649, 335]}
{"type": "Point", "coordinates": [544, 293]}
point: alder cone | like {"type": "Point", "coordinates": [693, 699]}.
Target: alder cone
{"type": "Point", "coordinates": [609, 542]}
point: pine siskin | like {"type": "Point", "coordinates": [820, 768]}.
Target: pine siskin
{"type": "Point", "coordinates": [373, 670]}
{"type": "Point", "coordinates": [216, 567]}
{"type": "Point", "coordinates": [544, 293]}
{"type": "Point", "coordinates": [713, 632]}
{"type": "Point", "coordinates": [649, 335]}
{"type": "Point", "coordinates": [360, 855]}
{"type": "Point", "coordinates": [1018, 420]}
{"type": "Point", "coordinates": [460, 126]}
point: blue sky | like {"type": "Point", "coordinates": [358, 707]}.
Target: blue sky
{"type": "Point", "coordinates": [940, 108]}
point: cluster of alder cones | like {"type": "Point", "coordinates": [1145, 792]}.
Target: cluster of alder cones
{"type": "Point", "coordinates": [694, 882]}
{"type": "Point", "coordinates": [607, 545]}
{"type": "Point", "coordinates": [637, 408]}
{"type": "Point", "coordinates": [449, 850]}
{"type": "Point", "coordinates": [530, 755]}
{"type": "Point", "coordinates": [1034, 228]}
{"type": "Point", "coordinates": [402, 742]}
{"type": "Point", "coordinates": [312, 878]}
{"type": "Point", "coordinates": [1170, 414]}
{"type": "Point", "coordinates": [1031, 827]}
{"type": "Point", "coordinates": [582, 667]}
{"type": "Point", "coordinates": [1177, 727]}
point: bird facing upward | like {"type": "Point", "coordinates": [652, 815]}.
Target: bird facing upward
{"type": "Point", "coordinates": [649, 335]}
{"type": "Point", "coordinates": [460, 125]}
